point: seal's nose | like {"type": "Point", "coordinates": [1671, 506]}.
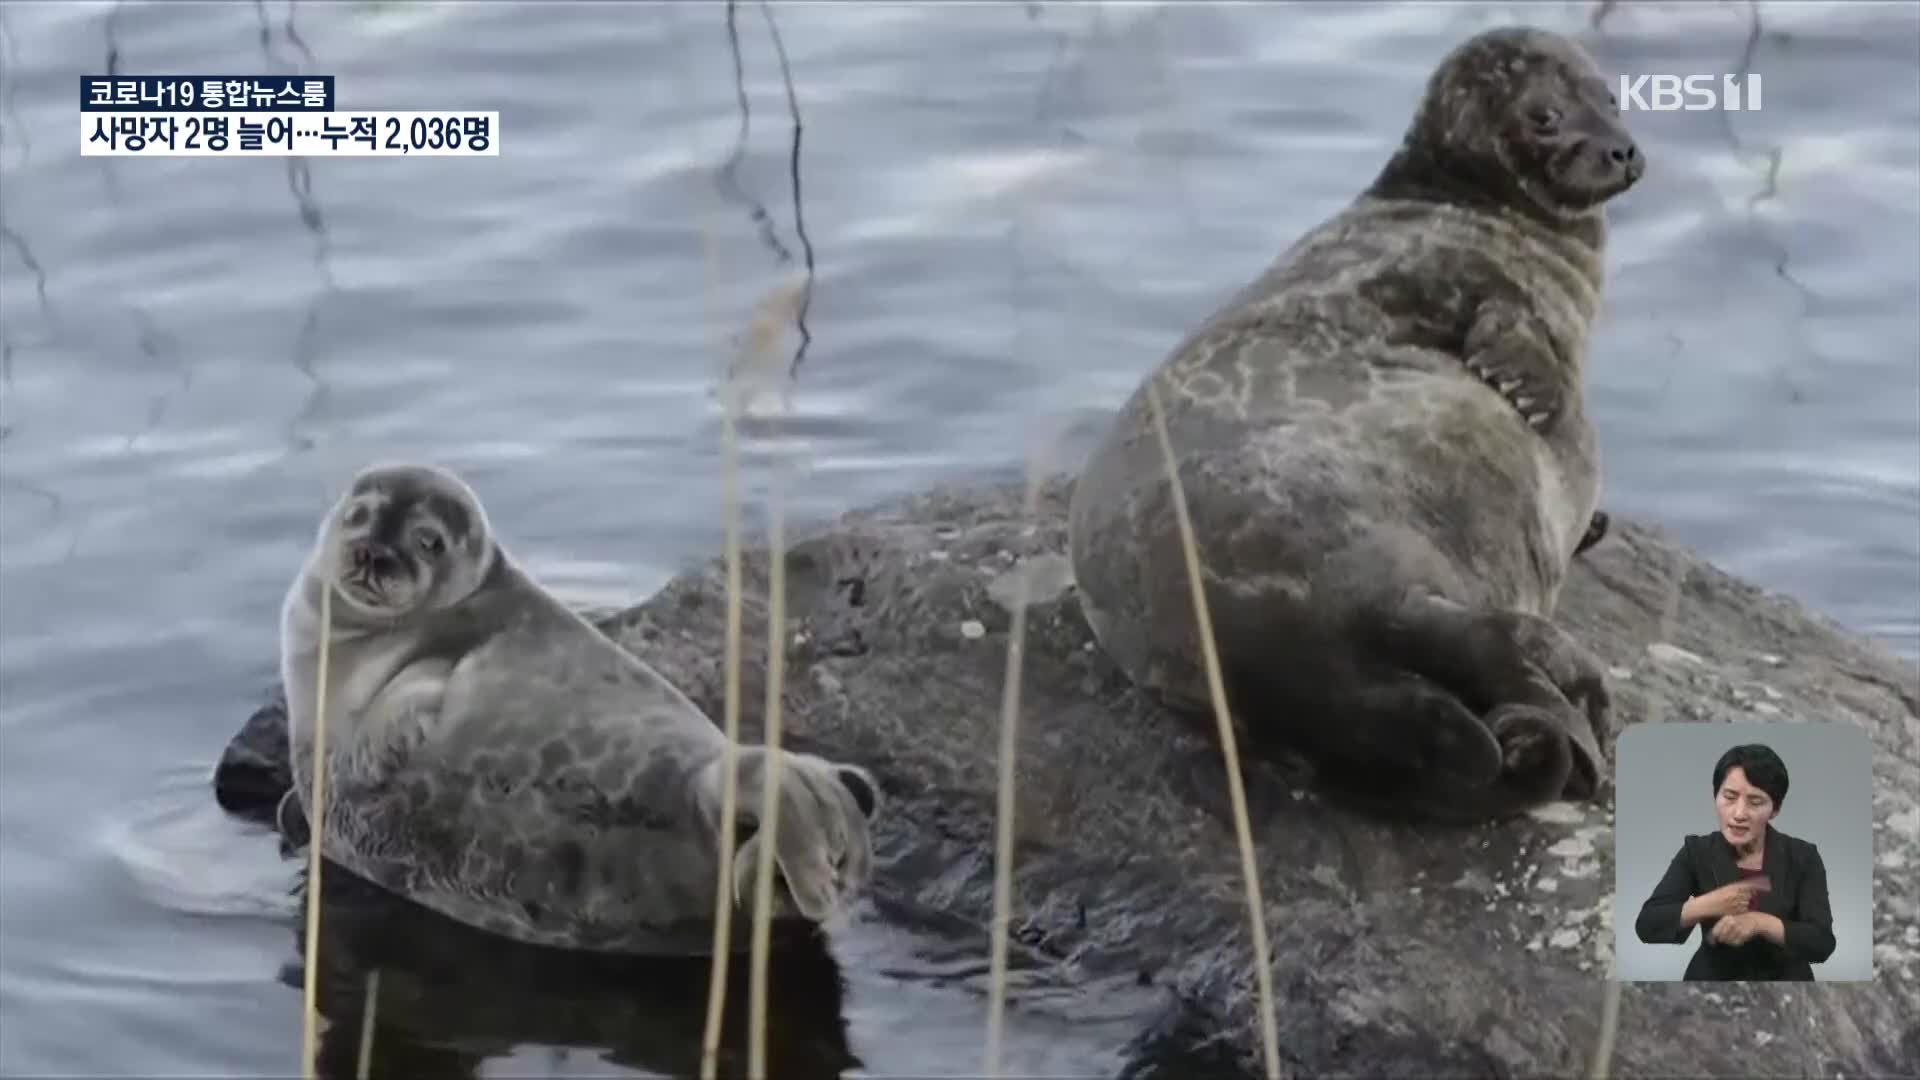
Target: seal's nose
{"type": "Point", "coordinates": [368, 555]}
{"type": "Point", "coordinates": [1624, 155]}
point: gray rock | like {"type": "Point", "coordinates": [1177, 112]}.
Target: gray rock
{"type": "Point", "coordinates": [1397, 948]}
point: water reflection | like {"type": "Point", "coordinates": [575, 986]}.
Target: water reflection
{"type": "Point", "coordinates": [449, 998]}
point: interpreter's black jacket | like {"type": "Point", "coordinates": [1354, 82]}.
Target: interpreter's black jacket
{"type": "Point", "coordinates": [1798, 899]}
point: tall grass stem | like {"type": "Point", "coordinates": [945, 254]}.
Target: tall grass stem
{"type": "Point", "coordinates": [364, 1068]}
{"type": "Point", "coordinates": [1236, 789]}
{"type": "Point", "coordinates": [1609, 1030]}
{"type": "Point", "coordinates": [316, 831]}
{"type": "Point", "coordinates": [729, 780]}
{"type": "Point", "coordinates": [1005, 789]}
{"type": "Point", "coordinates": [769, 828]}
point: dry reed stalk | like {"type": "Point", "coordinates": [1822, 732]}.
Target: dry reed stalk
{"type": "Point", "coordinates": [770, 319]}
{"type": "Point", "coordinates": [770, 802]}
{"type": "Point", "coordinates": [1003, 829]}
{"type": "Point", "coordinates": [1216, 689]}
{"type": "Point", "coordinates": [1609, 1034]}
{"type": "Point", "coordinates": [316, 829]}
{"type": "Point", "coordinates": [760, 356]}
{"type": "Point", "coordinates": [763, 332]}
{"type": "Point", "coordinates": [1609, 1029]}
{"type": "Point", "coordinates": [364, 1067]}
{"type": "Point", "coordinates": [729, 782]}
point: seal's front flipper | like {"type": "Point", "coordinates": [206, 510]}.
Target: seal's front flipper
{"type": "Point", "coordinates": [1596, 531]}
{"type": "Point", "coordinates": [1508, 350]}
{"type": "Point", "coordinates": [1494, 658]}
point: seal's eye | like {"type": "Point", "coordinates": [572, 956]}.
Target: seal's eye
{"type": "Point", "coordinates": [429, 542]}
{"type": "Point", "coordinates": [356, 515]}
{"type": "Point", "coordinates": [1545, 118]}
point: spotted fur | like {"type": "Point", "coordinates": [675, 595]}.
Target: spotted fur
{"type": "Point", "coordinates": [494, 757]}
{"type": "Point", "coordinates": [1388, 460]}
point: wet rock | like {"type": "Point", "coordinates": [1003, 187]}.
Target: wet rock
{"type": "Point", "coordinates": [1128, 870]}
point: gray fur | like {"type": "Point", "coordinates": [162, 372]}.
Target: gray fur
{"type": "Point", "coordinates": [1388, 462]}
{"type": "Point", "coordinates": [494, 757]}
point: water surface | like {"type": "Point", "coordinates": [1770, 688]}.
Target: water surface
{"type": "Point", "coordinates": [1012, 211]}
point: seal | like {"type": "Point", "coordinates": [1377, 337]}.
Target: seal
{"type": "Point", "coordinates": [495, 758]}
{"type": "Point", "coordinates": [1387, 461]}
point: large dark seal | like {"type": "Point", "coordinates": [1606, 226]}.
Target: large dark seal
{"type": "Point", "coordinates": [1387, 462]}
{"type": "Point", "coordinates": [494, 757]}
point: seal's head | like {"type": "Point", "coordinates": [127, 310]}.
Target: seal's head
{"type": "Point", "coordinates": [405, 539]}
{"type": "Point", "coordinates": [1524, 116]}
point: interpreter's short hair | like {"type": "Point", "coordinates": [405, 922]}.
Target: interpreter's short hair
{"type": "Point", "coordinates": [1763, 767]}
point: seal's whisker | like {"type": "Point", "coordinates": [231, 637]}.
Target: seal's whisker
{"type": "Point", "coordinates": [1216, 691]}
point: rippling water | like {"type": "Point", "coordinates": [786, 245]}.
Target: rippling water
{"type": "Point", "coordinates": [1013, 210]}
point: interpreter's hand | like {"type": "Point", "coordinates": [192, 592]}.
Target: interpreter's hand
{"type": "Point", "coordinates": [1731, 899]}
{"type": "Point", "coordinates": [1737, 929]}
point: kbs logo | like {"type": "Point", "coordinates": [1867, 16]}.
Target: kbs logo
{"type": "Point", "coordinates": [1690, 93]}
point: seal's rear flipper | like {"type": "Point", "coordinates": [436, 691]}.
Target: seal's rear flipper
{"type": "Point", "coordinates": [1536, 759]}
{"type": "Point", "coordinates": [823, 852]}
{"type": "Point", "coordinates": [1494, 659]}
{"type": "Point", "coordinates": [1390, 723]}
